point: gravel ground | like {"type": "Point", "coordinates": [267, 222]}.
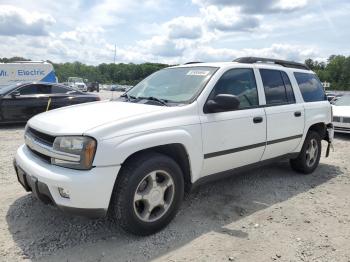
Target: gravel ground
{"type": "Point", "coordinates": [105, 95]}
{"type": "Point", "coordinates": [269, 214]}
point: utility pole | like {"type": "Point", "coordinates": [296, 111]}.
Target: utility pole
{"type": "Point", "coordinates": [115, 52]}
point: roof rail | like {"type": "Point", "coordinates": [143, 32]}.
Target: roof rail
{"type": "Point", "coordinates": [253, 60]}
{"type": "Point", "coordinates": [189, 63]}
{"type": "Point", "coordinates": [29, 62]}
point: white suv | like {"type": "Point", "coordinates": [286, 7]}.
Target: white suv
{"type": "Point", "coordinates": [136, 156]}
{"type": "Point", "coordinates": [77, 83]}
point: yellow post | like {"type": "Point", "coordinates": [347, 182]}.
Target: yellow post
{"type": "Point", "coordinates": [48, 104]}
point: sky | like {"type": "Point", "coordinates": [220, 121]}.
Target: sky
{"type": "Point", "coordinates": [170, 31]}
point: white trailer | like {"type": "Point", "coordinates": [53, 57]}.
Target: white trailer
{"type": "Point", "coordinates": [26, 71]}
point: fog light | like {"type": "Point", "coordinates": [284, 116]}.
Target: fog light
{"type": "Point", "coordinates": [63, 192]}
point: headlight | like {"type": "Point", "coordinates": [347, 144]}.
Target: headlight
{"type": "Point", "coordinates": [79, 149]}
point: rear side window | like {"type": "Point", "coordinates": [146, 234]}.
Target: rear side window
{"type": "Point", "coordinates": [277, 86]}
{"type": "Point", "coordinates": [59, 90]}
{"type": "Point", "coordinates": [35, 90]}
{"type": "Point", "coordinates": [310, 87]}
{"type": "Point", "coordinates": [238, 82]}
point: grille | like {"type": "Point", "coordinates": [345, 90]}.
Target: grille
{"type": "Point", "coordinates": [346, 119]}
{"type": "Point", "coordinates": [44, 138]}
{"type": "Point", "coordinates": [336, 119]}
{"type": "Point", "coordinates": [41, 156]}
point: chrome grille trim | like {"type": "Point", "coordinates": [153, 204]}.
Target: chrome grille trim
{"type": "Point", "coordinates": [47, 150]}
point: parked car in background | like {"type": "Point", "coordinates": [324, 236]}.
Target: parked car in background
{"type": "Point", "coordinates": [330, 96]}
{"type": "Point", "coordinates": [93, 86]}
{"type": "Point", "coordinates": [341, 114]}
{"type": "Point", "coordinates": [20, 102]}
{"type": "Point", "coordinates": [119, 88]}
{"type": "Point", "coordinates": [77, 83]}
{"type": "Point", "coordinates": [336, 98]}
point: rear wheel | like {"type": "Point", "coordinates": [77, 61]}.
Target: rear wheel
{"type": "Point", "coordinates": [310, 154]}
{"type": "Point", "coordinates": [148, 193]}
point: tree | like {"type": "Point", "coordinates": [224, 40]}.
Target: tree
{"type": "Point", "coordinates": [336, 71]}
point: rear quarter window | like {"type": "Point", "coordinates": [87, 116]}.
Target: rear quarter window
{"type": "Point", "coordinates": [310, 87]}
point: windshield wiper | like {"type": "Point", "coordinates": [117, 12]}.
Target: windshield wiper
{"type": "Point", "coordinates": [164, 102]}
{"type": "Point", "coordinates": [128, 97]}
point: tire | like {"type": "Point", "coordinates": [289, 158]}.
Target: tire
{"type": "Point", "coordinates": [136, 178]}
{"type": "Point", "coordinates": [304, 163]}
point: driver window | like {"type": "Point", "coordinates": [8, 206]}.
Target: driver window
{"type": "Point", "coordinates": [241, 83]}
{"type": "Point", "coordinates": [35, 90]}
{"type": "Point", "coordinates": [28, 90]}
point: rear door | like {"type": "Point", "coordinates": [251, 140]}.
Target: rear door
{"type": "Point", "coordinates": [285, 117]}
{"type": "Point", "coordinates": [61, 96]}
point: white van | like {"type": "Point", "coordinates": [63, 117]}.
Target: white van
{"type": "Point", "coordinates": [26, 71]}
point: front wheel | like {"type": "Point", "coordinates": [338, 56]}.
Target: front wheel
{"type": "Point", "coordinates": [309, 156]}
{"type": "Point", "coordinates": [147, 194]}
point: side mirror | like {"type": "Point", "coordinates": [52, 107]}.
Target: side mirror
{"type": "Point", "coordinates": [222, 103]}
{"type": "Point", "coordinates": [15, 94]}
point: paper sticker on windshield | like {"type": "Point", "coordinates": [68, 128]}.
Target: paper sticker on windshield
{"type": "Point", "coordinates": [197, 73]}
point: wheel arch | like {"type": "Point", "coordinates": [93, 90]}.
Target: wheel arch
{"type": "Point", "coordinates": [184, 146]}
{"type": "Point", "coordinates": [320, 128]}
{"type": "Point", "coordinates": [176, 151]}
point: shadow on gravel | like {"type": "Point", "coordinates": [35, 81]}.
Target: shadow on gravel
{"type": "Point", "coordinates": [342, 136]}
{"type": "Point", "coordinates": [12, 126]}
{"type": "Point", "coordinates": [44, 233]}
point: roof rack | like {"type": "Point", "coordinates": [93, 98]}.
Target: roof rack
{"type": "Point", "coordinates": [253, 60]}
{"type": "Point", "coordinates": [189, 63]}
{"type": "Point", "coordinates": [30, 62]}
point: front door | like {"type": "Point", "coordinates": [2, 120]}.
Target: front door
{"type": "Point", "coordinates": [26, 104]}
{"type": "Point", "coordinates": [234, 138]}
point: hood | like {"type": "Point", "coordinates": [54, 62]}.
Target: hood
{"type": "Point", "coordinates": [78, 119]}
{"type": "Point", "coordinates": [343, 111]}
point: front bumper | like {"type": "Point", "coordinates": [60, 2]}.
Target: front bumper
{"type": "Point", "coordinates": [89, 190]}
{"type": "Point", "coordinates": [341, 127]}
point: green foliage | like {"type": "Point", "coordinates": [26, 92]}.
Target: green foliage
{"type": "Point", "coordinates": [336, 71]}
{"type": "Point", "coordinates": [13, 59]}
{"type": "Point", "coordinates": [128, 74]}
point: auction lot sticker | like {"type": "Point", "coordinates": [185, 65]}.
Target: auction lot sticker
{"type": "Point", "coordinates": [197, 73]}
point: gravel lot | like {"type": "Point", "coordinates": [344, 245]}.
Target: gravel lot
{"type": "Point", "coordinates": [105, 95]}
{"type": "Point", "coordinates": [269, 214]}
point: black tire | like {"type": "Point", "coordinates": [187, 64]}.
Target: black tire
{"type": "Point", "coordinates": [133, 172]}
{"type": "Point", "coordinates": [300, 164]}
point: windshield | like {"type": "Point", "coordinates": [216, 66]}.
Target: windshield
{"type": "Point", "coordinates": [343, 101]}
{"type": "Point", "coordinates": [5, 89]}
{"type": "Point", "coordinates": [178, 85]}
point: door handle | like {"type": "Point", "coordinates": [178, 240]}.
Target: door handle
{"type": "Point", "coordinates": [257, 119]}
{"type": "Point", "coordinates": [297, 114]}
